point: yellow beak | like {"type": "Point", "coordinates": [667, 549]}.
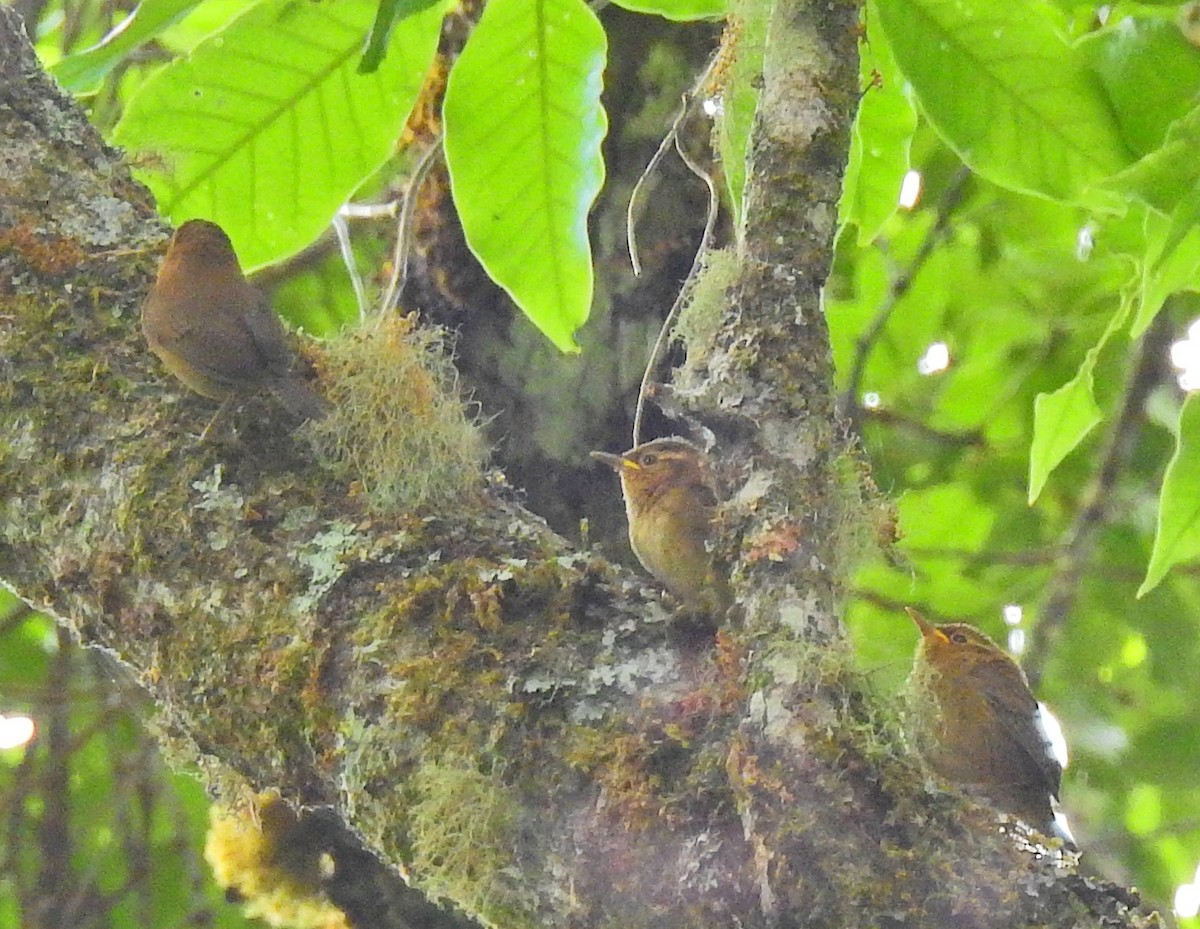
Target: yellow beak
{"type": "Point", "coordinates": [616, 462]}
{"type": "Point", "coordinates": [928, 629]}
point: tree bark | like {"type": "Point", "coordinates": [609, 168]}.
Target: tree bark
{"type": "Point", "coordinates": [520, 727]}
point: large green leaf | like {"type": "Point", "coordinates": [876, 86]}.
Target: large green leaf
{"type": "Point", "coordinates": [1009, 95]}
{"type": "Point", "coordinates": [266, 128]}
{"type": "Point", "coordinates": [1063, 418]}
{"type": "Point", "coordinates": [1178, 536]}
{"type": "Point", "coordinates": [1163, 177]}
{"type": "Point", "coordinates": [523, 131]}
{"type": "Point", "coordinates": [82, 72]}
{"type": "Point", "coordinates": [677, 9]}
{"type": "Point", "coordinates": [1149, 73]}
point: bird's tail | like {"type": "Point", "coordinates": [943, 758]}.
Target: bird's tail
{"type": "Point", "coordinates": [298, 398]}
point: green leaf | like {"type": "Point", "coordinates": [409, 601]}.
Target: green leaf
{"type": "Point", "coordinates": [879, 146]}
{"type": "Point", "coordinates": [1185, 219]}
{"type": "Point", "coordinates": [210, 17]}
{"type": "Point", "coordinates": [83, 72]}
{"type": "Point", "coordinates": [1178, 536]}
{"type": "Point", "coordinates": [1163, 177]}
{"type": "Point", "coordinates": [524, 126]}
{"type": "Point", "coordinates": [1149, 73]}
{"type": "Point", "coordinates": [739, 98]}
{"type": "Point", "coordinates": [390, 13]}
{"type": "Point", "coordinates": [266, 128]}
{"type": "Point", "coordinates": [1034, 119]}
{"type": "Point", "coordinates": [684, 10]}
{"type": "Point", "coordinates": [1063, 418]}
{"type": "Point", "coordinates": [1172, 260]}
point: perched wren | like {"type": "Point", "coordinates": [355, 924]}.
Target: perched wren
{"type": "Point", "coordinates": [669, 502]}
{"type": "Point", "coordinates": [213, 330]}
{"type": "Point", "coordinates": [977, 724]}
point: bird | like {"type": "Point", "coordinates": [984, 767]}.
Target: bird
{"type": "Point", "coordinates": [670, 503]}
{"type": "Point", "coordinates": [977, 724]}
{"type": "Point", "coordinates": [214, 331]}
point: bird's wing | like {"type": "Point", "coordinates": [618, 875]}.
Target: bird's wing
{"type": "Point", "coordinates": [268, 335]}
{"type": "Point", "coordinates": [1017, 707]}
{"type": "Point", "coordinates": [199, 340]}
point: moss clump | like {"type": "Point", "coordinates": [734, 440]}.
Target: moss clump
{"type": "Point", "coordinates": [398, 426]}
{"type": "Point", "coordinates": [275, 862]}
{"type": "Point", "coordinates": [462, 827]}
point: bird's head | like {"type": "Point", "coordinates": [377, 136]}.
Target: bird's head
{"type": "Point", "coordinates": [652, 468]}
{"type": "Point", "coordinates": [954, 644]}
{"type": "Point", "coordinates": [201, 240]}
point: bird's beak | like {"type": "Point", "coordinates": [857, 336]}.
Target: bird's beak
{"type": "Point", "coordinates": [928, 629]}
{"type": "Point", "coordinates": [616, 462]}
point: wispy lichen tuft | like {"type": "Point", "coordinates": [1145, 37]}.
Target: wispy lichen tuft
{"type": "Point", "coordinates": [398, 425]}
{"type": "Point", "coordinates": [462, 828]}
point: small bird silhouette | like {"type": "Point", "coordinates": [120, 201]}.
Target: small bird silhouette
{"type": "Point", "coordinates": [670, 502]}
{"type": "Point", "coordinates": [214, 331]}
{"type": "Point", "coordinates": [976, 722]}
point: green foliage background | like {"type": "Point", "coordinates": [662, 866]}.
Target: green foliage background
{"type": "Point", "coordinates": [1055, 252]}
{"type": "Point", "coordinates": [1055, 232]}
{"type": "Point", "coordinates": [96, 830]}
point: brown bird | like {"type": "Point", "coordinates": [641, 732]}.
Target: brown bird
{"type": "Point", "coordinates": [976, 722]}
{"type": "Point", "coordinates": [669, 502]}
{"type": "Point", "coordinates": [213, 330]}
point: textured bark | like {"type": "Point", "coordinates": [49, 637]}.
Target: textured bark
{"type": "Point", "coordinates": [518, 725]}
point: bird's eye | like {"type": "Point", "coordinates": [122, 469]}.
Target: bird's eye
{"type": "Point", "coordinates": [959, 638]}
{"type": "Point", "coordinates": [648, 459]}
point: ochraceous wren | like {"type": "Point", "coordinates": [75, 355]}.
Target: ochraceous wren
{"type": "Point", "coordinates": [213, 330]}
{"type": "Point", "coordinates": [976, 722]}
{"type": "Point", "coordinates": [669, 501]}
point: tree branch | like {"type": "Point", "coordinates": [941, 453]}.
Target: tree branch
{"type": "Point", "coordinates": [1098, 498]}
{"type": "Point", "coordinates": [865, 344]}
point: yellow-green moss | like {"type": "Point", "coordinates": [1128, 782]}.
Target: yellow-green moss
{"type": "Point", "coordinates": [462, 829]}
{"type": "Point", "coordinates": [398, 426]}
{"type": "Point", "coordinates": [439, 660]}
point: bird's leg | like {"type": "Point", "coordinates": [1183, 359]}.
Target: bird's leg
{"type": "Point", "coordinates": [212, 422]}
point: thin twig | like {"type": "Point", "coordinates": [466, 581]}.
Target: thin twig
{"type": "Point", "coordinates": [898, 606]}
{"type": "Point", "coordinates": [341, 229]}
{"type": "Point", "coordinates": [685, 290]}
{"type": "Point", "coordinates": [671, 138]}
{"type": "Point", "coordinates": [710, 222]}
{"type": "Point", "coordinates": [395, 287]}
{"type": "Point", "coordinates": [385, 210]}
{"type": "Point", "coordinates": [1028, 558]}
{"type": "Point", "coordinates": [630, 220]}
{"type": "Point", "coordinates": [866, 342]}
{"type": "Point", "coordinates": [1080, 538]}
{"type": "Point", "coordinates": [971, 438]}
